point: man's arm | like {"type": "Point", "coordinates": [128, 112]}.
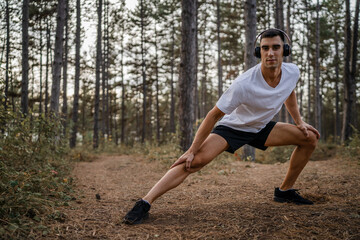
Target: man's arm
{"type": "Point", "coordinates": [203, 132]}
{"type": "Point", "coordinates": [292, 107]}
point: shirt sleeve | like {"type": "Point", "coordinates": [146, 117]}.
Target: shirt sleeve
{"type": "Point", "coordinates": [231, 98]}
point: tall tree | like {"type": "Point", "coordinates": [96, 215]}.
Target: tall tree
{"type": "Point", "coordinates": [104, 87]}
{"type": "Point", "coordinates": [337, 63]}
{"type": "Point", "coordinates": [98, 71]}
{"type": "Point", "coordinates": [65, 67]}
{"type": "Point", "coordinates": [143, 68]}
{"type": "Point", "coordinates": [349, 91]}
{"type": "Point", "coordinates": [7, 52]}
{"type": "Point", "coordinates": [25, 58]}
{"type": "Point", "coordinates": [187, 72]}
{"type": "Point", "coordinates": [218, 26]}
{"type": "Point", "coordinates": [77, 76]}
{"type": "Point", "coordinates": [41, 63]}
{"type": "Point", "coordinates": [58, 53]}
{"type": "Point", "coordinates": [279, 14]}
{"type": "Point", "coordinates": [250, 61]}
{"type": "Point", "coordinates": [48, 60]}
{"type": "Point", "coordinates": [318, 104]}
{"type": "Point", "coordinates": [354, 56]}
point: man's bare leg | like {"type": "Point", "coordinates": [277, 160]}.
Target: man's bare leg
{"type": "Point", "coordinates": [212, 146]}
{"type": "Point", "coordinates": [288, 134]}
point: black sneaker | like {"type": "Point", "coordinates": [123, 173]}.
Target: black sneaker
{"type": "Point", "coordinates": [138, 213]}
{"type": "Point", "coordinates": [291, 195]}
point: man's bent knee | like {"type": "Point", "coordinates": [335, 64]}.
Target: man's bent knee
{"type": "Point", "coordinates": [312, 140]}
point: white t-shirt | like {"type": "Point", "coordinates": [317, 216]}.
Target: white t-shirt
{"type": "Point", "coordinates": [250, 103]}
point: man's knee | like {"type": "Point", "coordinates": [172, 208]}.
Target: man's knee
{"type": "Point", "coordinates": [311, 141]}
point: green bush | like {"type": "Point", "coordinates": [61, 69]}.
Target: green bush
{"type": "Point", "coordinates": [352, 149]}
{"type": "Point", "coordinates": [33, 173]}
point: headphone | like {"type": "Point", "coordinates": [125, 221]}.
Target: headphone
{"type": "Point", "coordinates": [287, 48]}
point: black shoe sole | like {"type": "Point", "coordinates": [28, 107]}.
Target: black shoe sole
{"type": "Point", "coordinates": [137, 221]}
{"type": "Point", "coordinates": [284, 200]}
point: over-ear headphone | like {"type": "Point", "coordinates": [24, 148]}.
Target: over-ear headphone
{"type": "Point", "coordinates": [287, 48]}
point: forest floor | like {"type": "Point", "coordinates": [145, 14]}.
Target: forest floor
{"type": "Point", "coordinates": [226, 200]}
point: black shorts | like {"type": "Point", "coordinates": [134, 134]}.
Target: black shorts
{"type": "Point", "coordinates": [237, 139]}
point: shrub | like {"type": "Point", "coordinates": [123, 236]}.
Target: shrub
{"type": "Point", "coordinates": [33, 173]}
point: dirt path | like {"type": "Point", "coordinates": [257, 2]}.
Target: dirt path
{"type": "Point", "coordinates": [230, 200]}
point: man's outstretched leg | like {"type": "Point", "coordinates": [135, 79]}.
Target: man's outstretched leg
{"type": "Point", "coordinates": [212, 146]}
{"type": "Point", "coordinates": [287, 134]}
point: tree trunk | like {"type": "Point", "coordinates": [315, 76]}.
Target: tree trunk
{"type": "Point", "coordinates": [25, 58]}
{"type": "Point", "coordinates": [58, 53]}
{"type": "Point", "coordinates": [354, 55]}
{"type": "Point", "coordinates": [77, 77]}
{"type": "Point", "coordinates": [123, 89]}
{"type": "Point", "coordinates": [196, 92]}
{"type": "Point", "coordinates": [187, 72]}
{"type": "Point", "coordinates": [48, 59]}
{"type": "Point", "coordinates": [348, 85]}
{"type": "Point", "coordinates": [308, 63]}
{"type": "Point", "coordinates": [106, 45]}
{"type": "Point", "coordinates": [250, 60]}
{"type": "Point", "coordinates": [97, 83]}
{"type": "Point", "coordinates": [41, 67]}
{"type": "Point", "coordinates": [157, 89]}
{"type": "Point", "coordinates": [65, 107]}
{"type": "Point", "coordinates": [103, 82]}
{"type": "Point", "coordinates": [204, 73]}
{"type": "Point", "coordinates": [318, 104]}
{"type": "Point", "coordinates": [218, 25]}
{"type": "Point", "coordinates": [337, 98]}
{"type": "Point", "coordinates": [172, 92]}
{"type": "Point", "coordinates": [279, 14]}
{"type": "Point", "coordinates": [7, 53]}
{"type": "Point", "coordinates": [143, 68]}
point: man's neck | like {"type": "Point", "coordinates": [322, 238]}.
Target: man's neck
{"type": "Point", "coordinates": [271, 75]}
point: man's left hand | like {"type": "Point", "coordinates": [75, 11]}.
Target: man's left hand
{"type": "Point", "coordinates": [305, 128]}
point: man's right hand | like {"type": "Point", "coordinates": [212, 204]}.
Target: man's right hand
{"type": "Point", "coordinates": [187, 157]}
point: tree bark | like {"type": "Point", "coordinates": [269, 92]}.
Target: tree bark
{"type": "Point", "coordinates": [348, 85]}
{"type": "Point", "coordinates": [65, 65]}
{"type": "Point", "coordinates": [204, 72]}
{"type": "Point", "coordinates": [58, 53]}
{"type": "Point", "coordinates": [97, 83]}
{"type": "Point", "coordinates": [318, 105]}
{"type": "Point", "coordinates": [172, 91]}
{"type": "Point", "coordinates": [218, 26]}
{"type": "Point", "coordinates": [143, 68]}
{"type": "Point", "coordinates": [77, 77]}
{"type": "Point", "coordinates": [337, 98]}
{"type": "Point", "coordinates": [309, 120]}
{"type": "Point", "coordinates": [25, 58]}
{"type": "Point", "coordinates": [250, 60]}
{"type": "Point", "coordinates": [41, 67]}
{"type": "Point", "coordinates": [187, 72]}
{"type": "Point", "coordinates": [157, 88]}
{"type": "Point", "coordinates": [123, 88]}
{"type": "Point", "coordinates": [48, 59]}
{"type": "Point", "coordinates": [354, 55]}
{"type": "Point", "coordinates": [279, 14]}
{"type": "Point", "coordinates": [7, 53]}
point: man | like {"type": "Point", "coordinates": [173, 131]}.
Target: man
{"type": "Point", "coordinates": [246, 109]}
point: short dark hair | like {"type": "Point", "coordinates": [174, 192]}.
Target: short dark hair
{"type": "Point", "coordinates": [272, 33]}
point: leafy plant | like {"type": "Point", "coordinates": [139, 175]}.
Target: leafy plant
{"type": "Point", "coordinates": [34, 173]}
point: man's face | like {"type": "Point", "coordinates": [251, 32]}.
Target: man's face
{"type": "Point", "coordinates": [271, 52]}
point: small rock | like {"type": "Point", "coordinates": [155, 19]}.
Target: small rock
{"type": "Point", "coordinates": [98, 196]}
